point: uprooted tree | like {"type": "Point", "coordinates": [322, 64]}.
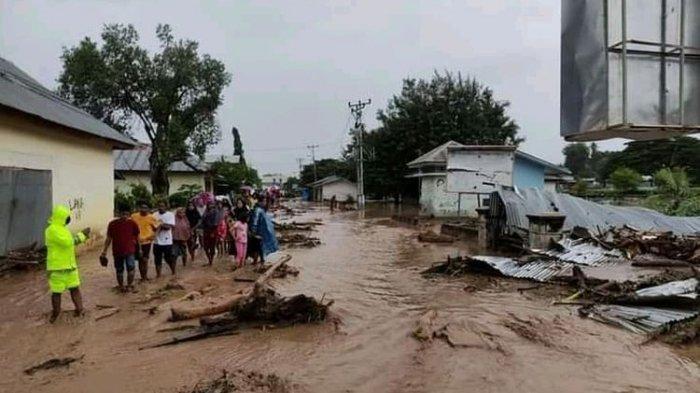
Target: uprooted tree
{"type": "Point", "coordinates": [174, 94]}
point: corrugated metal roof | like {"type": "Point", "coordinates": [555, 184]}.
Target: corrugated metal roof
{"type": "Point", "coordinates": [583, 252]}
{"type": "Point", "coordinates": [21, 92]}
{"type": "Point", "coordinates": [684, 288]}
{"type": "Point", "coordinates": [638, 319]}
{"type": "Point", "coordinates": [437, 155]}
{"type": "Point", "coordinates": [327, 180]}
{"type": "Point", "coordinates": [540, 270]}
{"type": "Point", "coordinates": [136, 160]}
{"type": "Point", "coordinates": [587, 214]}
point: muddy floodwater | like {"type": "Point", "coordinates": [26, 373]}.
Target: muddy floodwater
{"type": "Point", "coordinates": [371, 268]}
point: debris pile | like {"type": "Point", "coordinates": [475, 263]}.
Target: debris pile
{"type": "Point", "coordinates": [255, 306]}
{"type": "Point", "coordinates": [242, 381]}
{"type": "Point", "coordinates": [281, 272]}
{"type": "Point", "coordinates": [432, 237]}
{"type": "Point", "coordinates": [660, 244]}
{"type": "Point", "coordinates": [23, 258]}
{"type": "Point", "coordinates": [646, 304]}
{"type": "Point", "coordinates": [298, 240]}
{"type": "Point", "coordinates": [266, 306]}
{"type": "Point", "coordinates": [296, 226]}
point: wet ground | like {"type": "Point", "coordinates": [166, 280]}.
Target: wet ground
{"type": "Point", "coordinates": [371, 268]}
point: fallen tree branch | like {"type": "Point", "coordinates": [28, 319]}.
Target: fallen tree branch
{"type": "Point", "coordinates": [107, 314]}
{"type": "Point", "coordinates": [53, 363]}
{"type": "Point", "coordinates": [180, 314]}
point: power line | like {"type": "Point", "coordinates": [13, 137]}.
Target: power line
{"type": "Point", "coordinates": [356, 110]}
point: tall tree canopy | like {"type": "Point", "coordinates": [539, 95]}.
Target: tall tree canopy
{"type": "Point", "coordinates": [647, 157]}
{"type": "Point", "coordinates": [426, 114]}
{"type": "Point", "coordinates": [173, 94]}
{"type": "Point", "coordinates": [238, 145]}
{"type": "Point", "coordinates": [577, 158]}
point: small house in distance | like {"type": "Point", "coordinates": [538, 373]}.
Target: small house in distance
{"type": "Point", "coordinates": [454, 178]}
{"type": "Point", "coordinates": [324, 189]}
{"type": "Point", "coordinates": [132, 167]}
{"type": "Point", "coordinates": [51, 152]}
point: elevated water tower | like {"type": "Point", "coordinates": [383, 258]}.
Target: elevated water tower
{"type": "Point", "coordinates": [630, 68]}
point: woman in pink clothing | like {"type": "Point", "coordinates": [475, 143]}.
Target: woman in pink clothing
{"type": "Point", "coordinates": [240, 236]}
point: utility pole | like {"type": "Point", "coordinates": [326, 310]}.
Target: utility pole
{"type": "Point", "coordinates": [300, 162]}
{"type": "Point", "coordinates": [313, 158]}
{"type": "Point", "coordinates": [356, 110]}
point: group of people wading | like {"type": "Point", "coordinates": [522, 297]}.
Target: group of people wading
{"type": "Point", "coordinates": [244, 232]}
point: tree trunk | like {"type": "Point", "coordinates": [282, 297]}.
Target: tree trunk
{"type": "Point", "coordinates": [181, 314]}
{"type": "Point", "coordinates": [160, 184]}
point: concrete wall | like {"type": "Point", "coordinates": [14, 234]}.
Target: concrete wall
{"type": "Point", "coordinates": [176, 180]}
{"type": "Point", "coordinates": [341, 190]}
{"type": "Point", "coordinates": [81, 166]}
{"type": "Point", "coordinates": [436, 201]}
{"type": "Point", "coordinates": [479, 166]}
{"type": "Point", "coordinates": [528, 174]}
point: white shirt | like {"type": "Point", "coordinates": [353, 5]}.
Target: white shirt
{"type": "Point", "coordinates": [164, 237]}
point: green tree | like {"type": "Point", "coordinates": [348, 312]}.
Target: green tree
{"type": "Point", "coordinates": [673, 185]}
{"type": "Point", "coordinates": [625, 180]}
{"type": "Point", "coordinates": [238, 145]}
{"type": "Point", "coordinates": [230, 176]}
{"type": "Point", "coordinates": [290, 185]}
{"type": "Point", "coordinates": [426, 114]}
{"type": "Point", "coordinates": [174, 94]}
{"type": "Point", "coordinates": [577, 158]}
{"type": "Point", "coordinates": [647, 157]}
{"type": "Point", "coordinates": [184, 194]}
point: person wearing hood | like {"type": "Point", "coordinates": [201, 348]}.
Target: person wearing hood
{"type": "Point", "coordinates": [61, 263]}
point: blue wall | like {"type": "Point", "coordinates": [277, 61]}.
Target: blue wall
{"type": "Point", "coordinates": [527, 174]}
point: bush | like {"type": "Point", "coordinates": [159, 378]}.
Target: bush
{"type": "Point", "coordinates": [580, 188]}
{"type": "Point", "coordinates": [625, 180]}
{"type": "Point", "coordinates": [122, 199]}
{"type": "Point", "coordinates": [141, 194]}
{"type": "Point", "coordinates": [184, 194]}
{"type": "Point", "coordinates": [689, 207]}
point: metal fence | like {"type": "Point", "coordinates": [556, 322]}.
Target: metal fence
{"type": "Point", "coordinates": [25, 205]}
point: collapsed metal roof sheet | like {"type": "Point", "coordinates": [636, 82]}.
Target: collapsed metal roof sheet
{"type": "Point", "coordinates": [23, 93]}
{"type": "Point", "coordinates": [519, 203]}
{"type": "Point", "coordinates": [540, 270]}
{"type": "Point", "coordinates": [638, 319]}
{"type": "Point", "coordinates": [137, 160]}
{"type": "Point", "coordinates": [583, 252]}
{"type": "Point", "coordinates": [684, 288]}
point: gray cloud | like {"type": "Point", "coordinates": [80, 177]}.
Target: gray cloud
{"type": "Point", "coordinates": [295, 64]}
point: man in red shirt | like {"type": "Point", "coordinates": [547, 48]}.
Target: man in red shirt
{"type": "Point", "coordinates": [123, 235]}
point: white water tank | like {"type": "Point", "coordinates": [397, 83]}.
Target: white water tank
{"type": "Point", "coordinates": [630, 68]}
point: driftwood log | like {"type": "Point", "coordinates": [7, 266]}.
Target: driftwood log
{"type": "Point", "coordinates": [181, 314]}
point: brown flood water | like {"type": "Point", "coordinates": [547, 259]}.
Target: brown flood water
{"type": "Point", "coordinates": [371, 270]}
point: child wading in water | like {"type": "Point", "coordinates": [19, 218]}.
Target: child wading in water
{"type": "Point", "coordinates": [240, 236]}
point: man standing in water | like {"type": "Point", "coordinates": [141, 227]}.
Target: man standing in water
{"type": "Point", "coordinates": [147, 226]}
{"type": "Point", "coordinates": [163, 247]}
{"type": "Point", "coordinates": [61, 264]}
{"type": "Point", "coordinates": [123, 235]}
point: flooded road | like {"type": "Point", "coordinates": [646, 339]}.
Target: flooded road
{"type": "Point", "coordinates": [370, 267]}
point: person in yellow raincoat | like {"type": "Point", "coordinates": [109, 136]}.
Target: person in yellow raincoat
{"type": "Point", "coordinates": [61, 264]}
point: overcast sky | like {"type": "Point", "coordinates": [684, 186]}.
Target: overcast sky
{"type": "Point", "coordinates": [296, 64]}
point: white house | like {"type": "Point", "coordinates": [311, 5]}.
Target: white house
{"type": "Point", "coordinates": [454, 178]}
{"type": "Point", "coordinates": [132, 167]}
{"type": "Point", "coordinates": [343, 189]}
